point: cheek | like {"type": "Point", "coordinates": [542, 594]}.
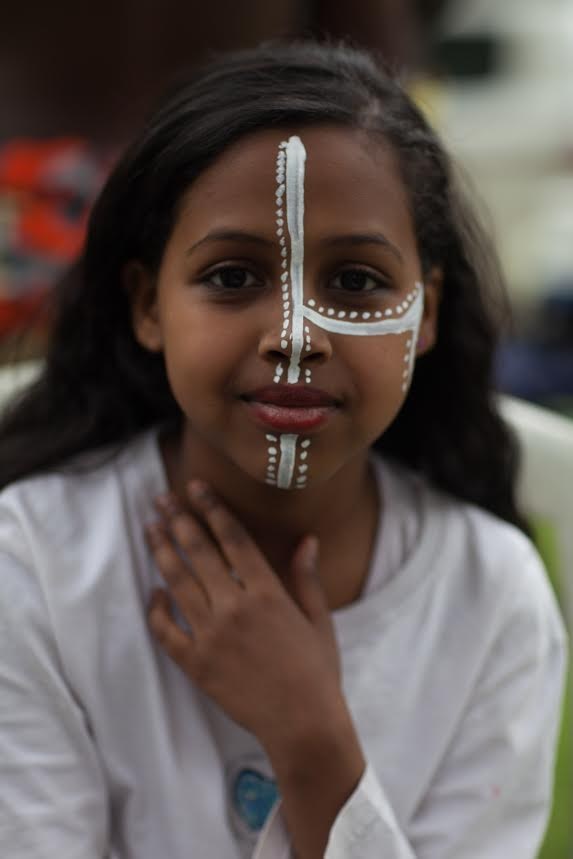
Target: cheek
{"type": "Point", "coordinates": [384, 363]}
{"type": "Point", "coordinates": [380, 370]}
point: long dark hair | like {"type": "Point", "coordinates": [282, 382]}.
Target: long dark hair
{"type": "Point", "coordinates": [100, 387]}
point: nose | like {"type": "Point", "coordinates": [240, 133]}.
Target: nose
{"type": "Point", "coordinates": [277, 344]}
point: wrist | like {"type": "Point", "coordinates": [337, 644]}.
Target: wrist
{"type": "Point", "coordinates": [317, 744]}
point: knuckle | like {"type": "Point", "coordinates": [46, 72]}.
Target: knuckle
{"type": "Point", "coordinates": [187, 536]}
{"type": "Point", "coordinates": [233, 534]}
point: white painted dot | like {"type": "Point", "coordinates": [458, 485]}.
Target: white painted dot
{"type": "Point", "coordinates": [311, 302]}
{"type": "Point", "coordinates": [283, 252]}
{"type": "Point", "coordinates": [406, 358]}
{"type": "Point", "coordinates": [308, 380]}
{"type": "Point", "coordinates": [378, 314]}
{"type": "Point", "coordinates": [270, 437]}
{"type": "Point", "coordinates": [341, 314]}
{"type": "Point", "coordinates": [321, 309]}
{"type": "Point", "coordinates": [305, 443]}
{"type": "Point", "coordinates": [284, 344]}
{"type": "Point", "coordinates": [302, 468]}
{"type": "Point", "coordinates": [282, 242]}
{"type": "Point", "coordinates": [308, 347]}
{"type": "Point", "coordinates": [366, 316]}
{"type": "Point", "coordinates": [280, 231]}
{"type": "Point", "coordinates": [280, 213]}
{"type": "Point", "coordinates": [408, 344]}
{"type": "Point", "coordinates": [284, 276]}
{"type": "Point", "coordinates": [281, 189]}
{"type": "Point", "coordinates": [306, 329]}
{"type": "Point", "coordinates": [279, 370]}
{"type": "Point", "coordinates": [270, 482]}
{"type": "Point", "coordinates": [284, 263]}
{"type": "Point", "coordinates": [280, 222]}
{"type": "Point", "coordinates": [273, 451]}
{"type": "Point", "coordinates": [286, 304]}
{"type": "Point", "coordinates": [272, 460]}
{"type": "Point", "coordinates": [330, 311]}
{"type": "Point", "coordinates": [388, 312]}
{"type": "Point", "coordinates": [276, 379]}
{"type": "Point", "coordinates": [353, 314]}
{"type": "Point", "coordinates": [304, 454]}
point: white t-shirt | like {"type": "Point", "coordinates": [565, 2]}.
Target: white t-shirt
{"type": "Point", "coordinates": [453, 666]}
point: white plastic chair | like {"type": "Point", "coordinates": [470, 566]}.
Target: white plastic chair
{"type": "Point", "coordinates": [15, 376]}
{"type": "Point", "coordinates": [546, 482]}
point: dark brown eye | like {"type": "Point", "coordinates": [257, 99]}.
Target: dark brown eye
{"type": "Point", "coordinates": [232, 278]}
{"type": "Point", "coordinates": [356, 280]}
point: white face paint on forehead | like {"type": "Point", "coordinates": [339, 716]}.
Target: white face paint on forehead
{"type": "Point", "coordinates": [286, 463]}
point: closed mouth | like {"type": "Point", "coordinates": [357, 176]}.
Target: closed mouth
{"type": "Point", "coordinates": [292, 397]}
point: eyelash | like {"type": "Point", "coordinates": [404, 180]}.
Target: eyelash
{"type": "Point", "coordinates": [381, 283]}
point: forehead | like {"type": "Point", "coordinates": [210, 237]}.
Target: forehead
{"type": "Point", "coordinates": [350, 179]}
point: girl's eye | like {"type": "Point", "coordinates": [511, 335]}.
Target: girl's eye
{"type": "Point", "coordinates": [357, 280]}
{"type": "Point", "coordinates": [232, 277]}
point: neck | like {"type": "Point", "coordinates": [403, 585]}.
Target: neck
{"type": "Point", "coordinates": [342, 512]}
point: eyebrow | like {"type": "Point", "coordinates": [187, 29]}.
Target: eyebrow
{"type": "Point", "coordinates": [231, 236]}
{"type": "Point", "coordinates": [365, 239]}
{"type": "Point", "coordinates": [356, 239]}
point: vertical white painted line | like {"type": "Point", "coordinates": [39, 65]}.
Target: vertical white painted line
{"type": "Point", "coordinates": [286, 463]}
{"type": "Point", "coordinates": [295, 165]}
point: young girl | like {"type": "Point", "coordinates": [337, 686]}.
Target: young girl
{"type": "Point", "coordinates": [264, 589]}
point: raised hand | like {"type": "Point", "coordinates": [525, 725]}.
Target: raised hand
{"type": "Point", "coordinates": [255, 648]}
{"type": "Point", "coordinates": [266, 655]}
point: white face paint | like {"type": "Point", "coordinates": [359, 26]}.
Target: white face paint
{"type": "Point", "coordinates": [287, 464]}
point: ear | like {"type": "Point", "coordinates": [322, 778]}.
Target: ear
{"type": "Point", "coordinates": [428, 333]}
{"type": "Point", "coordinates": [142, 294]}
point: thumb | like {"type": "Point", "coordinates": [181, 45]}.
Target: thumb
{"type": "Point", "coordinates": [305, 585]}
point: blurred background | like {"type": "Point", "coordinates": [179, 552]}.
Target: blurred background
{"type": "Point", "coordinates": [77, 79]}
{"type": "Point", "coordinates": [494, 77]}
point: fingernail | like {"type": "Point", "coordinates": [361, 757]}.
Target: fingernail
{"type": "Point", "coordinates": [167, 503]}
{"type": "Point", "coordinates": [200, 491]}
{"type": "Point", "coordinates": [312, 554]}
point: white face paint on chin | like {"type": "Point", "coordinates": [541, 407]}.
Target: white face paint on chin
{"type": "Point", "coordinates": [286, 464]}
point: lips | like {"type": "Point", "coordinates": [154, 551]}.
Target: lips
{"type": "Point", "coordinates": [291, 396]}
{"type": "Point", "coordinates": [290, 408]}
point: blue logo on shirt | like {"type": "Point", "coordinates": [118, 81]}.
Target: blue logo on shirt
{"type": "Point", "coordinates": [253, 797]}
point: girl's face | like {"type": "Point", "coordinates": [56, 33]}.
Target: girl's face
{"type": "Point", "coordinates": [289, 303]}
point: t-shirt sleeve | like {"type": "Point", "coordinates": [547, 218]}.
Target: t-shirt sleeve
{"type": "Point", "coordinates": [52, 794]}
{"type": "Point", "coordinates": [491, 796]}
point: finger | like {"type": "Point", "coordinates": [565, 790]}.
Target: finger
{"type": "Point", "coordinates": [187, 591]}
{"type": "Point", "coordinates": [237, 546]}
{"type": "Point", "coordinates": [305, 584]}
{"type": "Point", "coordinates": [177, 644]}
{"type": "Point", "coordinates": [205, 557]}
